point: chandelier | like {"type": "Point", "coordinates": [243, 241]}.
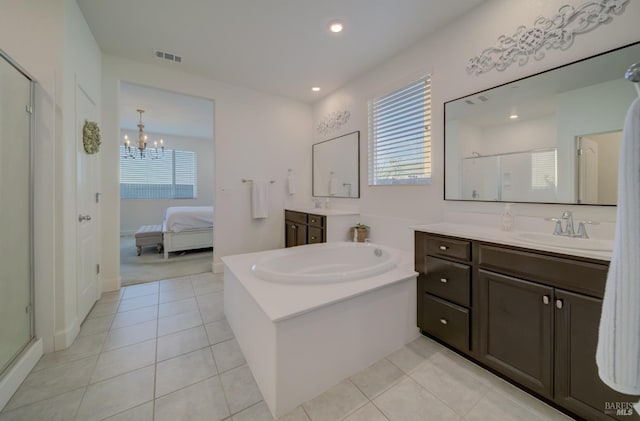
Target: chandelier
{"type": "Point", "coordinates": [143, 152]}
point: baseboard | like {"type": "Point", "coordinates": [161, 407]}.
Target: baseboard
{"type": "Point", "coordinates": [65, 338]}
{"type": "Point", "coordinates": [217, 267]}
{"type": "Point", "coordinates": [15, 375]}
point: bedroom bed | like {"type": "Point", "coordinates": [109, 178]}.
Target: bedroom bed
{"type": "Point", "coordinates": [187, 228]}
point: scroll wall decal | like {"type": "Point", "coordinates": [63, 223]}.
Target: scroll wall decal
{"type": "Point", "coordinates": [333, 121]}
{"type": "Point", "coordinates": [557, 31]}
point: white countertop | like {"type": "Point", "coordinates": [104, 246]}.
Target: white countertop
{"type": "Point", "coordinates": [494, 235]}
{"type": "Point", "coordinates": [322, 211]}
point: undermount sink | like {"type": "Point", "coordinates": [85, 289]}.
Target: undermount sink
{"type": "Point", "coordinates": [567, 242]}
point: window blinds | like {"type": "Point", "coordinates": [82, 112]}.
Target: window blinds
{"type": "Point", "coordinates": [172, 176]}
{"type": "Point", "coordinates": [400, 136]}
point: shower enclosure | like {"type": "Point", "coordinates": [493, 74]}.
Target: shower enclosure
{"type": "Point", "coordinates": [16, 237]}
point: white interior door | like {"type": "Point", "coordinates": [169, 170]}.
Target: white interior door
{"type": "Point", "coordinates": [88, 208]}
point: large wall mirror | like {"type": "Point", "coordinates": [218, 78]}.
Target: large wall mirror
{"type": "Point", "coordinates": [549, 138]}
{"type": "Point", "coordinates": [336, 167]}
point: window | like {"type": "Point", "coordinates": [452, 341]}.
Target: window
{"type": "Point", "coordinates": [400, 136]}
{"type": "Point", "coordinates": [173, 176]}
{"type": "Point", "coordinates": [543, 169]}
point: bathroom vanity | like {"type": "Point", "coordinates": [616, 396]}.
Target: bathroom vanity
{"type": "Point", "coordinates": [317, 226]}
{"type": "Point", "coordinates": [530, 314]}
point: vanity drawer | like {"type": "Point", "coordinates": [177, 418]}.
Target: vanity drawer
{"type": "Point", "coordinates": [574, 275]}
{"type": "Point", "coordinates": [298, 217]}
{"type": "Point", "coordinates": [449, 247]}
{"type": "Point", "coordinates": [316, 220]}
{"type": "Point", "coordinates": [446, 321]}
{"type": "Point", "coordinates": [316, 235]}
{"type": "Point", "coordinates": [448, 280]}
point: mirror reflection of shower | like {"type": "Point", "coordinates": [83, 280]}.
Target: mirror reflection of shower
{"type": "Point", "coordinates": [597, 169]}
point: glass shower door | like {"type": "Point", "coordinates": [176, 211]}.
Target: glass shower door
{"type": "Point", "coordinates": [15, 213]}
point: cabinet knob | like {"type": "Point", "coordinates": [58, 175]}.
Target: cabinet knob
{"type": "Point", "coordinates": [313, 220]}
{"type": "Point", "coordinates": [443, 248]}
{"type": "Point", "coordinates": [444, 321]}
{"type": "Point", "coordinates": [293, 227]}
{"type": "Point", "coordinates": [444, 280]}
{"type": "Point", "coordinates": [559, 304]}
{"type": "Point", "coordinates": [313, 238]}
{"type": "Point", "coordinates": [545, 299]}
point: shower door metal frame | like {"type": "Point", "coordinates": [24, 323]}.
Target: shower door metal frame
{"type": "Point", "coordinates": [31, 111]}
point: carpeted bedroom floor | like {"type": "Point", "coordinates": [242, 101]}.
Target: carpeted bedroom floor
{"type": "Point", "coordinates": [151, 265]}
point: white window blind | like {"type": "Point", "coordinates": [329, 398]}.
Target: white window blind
{"type": "Point", "coordinates": [173, 176]}
{"type": "Point", "coordinates": [543, 169]}
{"type": "Point", "coordinates": [400, 136]}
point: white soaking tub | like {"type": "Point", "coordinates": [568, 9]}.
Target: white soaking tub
{"type": "Point", "coordinates": [308, 317]}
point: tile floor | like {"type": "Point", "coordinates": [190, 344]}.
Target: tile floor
{"type": "Point", "coordinates": [164, 351]}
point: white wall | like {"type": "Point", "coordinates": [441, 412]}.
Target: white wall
{"type": "Point", "coordinates": [137, 212]}
{"type": "Point", "coordinates": [256, 135]}
{"type": "Point", "coordinates": [444, 54]}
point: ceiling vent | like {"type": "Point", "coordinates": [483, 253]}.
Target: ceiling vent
{"type": "Point", "coordinates": [468, 101]}
{"type": "Point", "coordinates": [168, 56]}
{"type": "Point", "coordinates": [483, 98]}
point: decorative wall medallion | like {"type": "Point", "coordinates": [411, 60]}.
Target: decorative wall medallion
{"type": "Point", "coordinates": [333, 121]}
{"type": "Point", "coordinates": [91, 137]}
{"type": "Point", "coordinates": [555, 32]}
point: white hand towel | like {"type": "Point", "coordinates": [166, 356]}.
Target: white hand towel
{"type": "Point", "coordinates": [333, 185]}
{"type": "Point", "coordinates": [260, 199]}
{"type": "Point", "coordinates": [618, 353]}
{"type": "Point", "coordinates": [291, 184]}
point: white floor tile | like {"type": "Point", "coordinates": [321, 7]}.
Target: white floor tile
{"type": "Point", "coordinates": [54, 381]}
{"type": "Point", "coordinates": [240, 388]}
{"type": "Point", "coordinates": [132, 317]}
{"type": "Point", "coordinates": [257, 412]}
{"type": "Point", "coordinates": [125, 359]}
{"type": "Point", "coordinates": [176, 294]}
{"type": "Point", "coordinates": [184, 370]}
{"type": "Point", "coordinates": [176, 307]}
{"type": "Point", "coordinates": [408, 401]}
{"type": "Point", "coordinates": [211, 306]}
{"type": "Point", "coordinates": [377, 378]}
{"type": "Point", "coordinates": [81, 348]}
{"type": "Point", "coordinates": [138, 302]}
{"type": "Point", "coordinates": [219, 331]}
{"type": "Point", "coordinates": [202, 401]}
{"type": "Point", "coordinates": [60, 408]}
{"type": "Point", "coordinates": [130, 335]}
{"type": "Point", "coordinates": [96, 325]}
{"type": "Point", "coordinates": [336, 403]}
{"type": "Point", "coordinates": [117, 394]}
{"type": "Point", "coordinates": [142, 412]}
{"type": "Point", "coordinates": [228, 355]}
{"type": "Point", "coordinates": [367, 413]}
{"type": "Point", "coordinates": [182, 321]}
{"type": "Point", "coordinates": [148, 288]}
{"type": "Point", "coordinates": [181, 342]}
{"type": "Point", "coordinates": [297, 414]}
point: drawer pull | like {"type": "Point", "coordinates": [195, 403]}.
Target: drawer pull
{"type": "Point", "coordinates": [443, 248]}
{"type": "Point", "coordinates": [559, 304]}
{"type": "Point", "coordinates": [444, 321]}
{"type": "Point", "coordinates": [444, 280]}
{"type": "Point", "coordinates": [545, 299]}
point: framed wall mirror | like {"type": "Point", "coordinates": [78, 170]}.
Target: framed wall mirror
{"type": "Point", "coordinates": [336, 167]}
{"type": "Point", "coordinates": [553, 137]}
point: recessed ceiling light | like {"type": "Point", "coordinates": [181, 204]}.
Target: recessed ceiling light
{"type": "Point", "coordinates": [335, 27]}
{"type": "Point", "coordinates": [315, 89]}
{"type": "Point", "coordinates": [513, 116]}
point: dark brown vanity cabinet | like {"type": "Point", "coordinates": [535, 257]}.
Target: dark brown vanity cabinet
{"type": "Point", "coordinates": [532, 316]}
{"type": "Point", "coordinates": [444, 283]}
{"type": "Point", "coordinates": [303, 228]}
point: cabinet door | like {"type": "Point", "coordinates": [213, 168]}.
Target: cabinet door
{"type": "Point", "coordinates": [295, 234]}
{"type": "Point", "coordinates": [516, 330]}
{"type": "Point", "coordinates": [577, 384]}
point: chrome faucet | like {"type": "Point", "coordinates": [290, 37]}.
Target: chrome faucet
{"type": "Point", "coordinates": [569, 231]}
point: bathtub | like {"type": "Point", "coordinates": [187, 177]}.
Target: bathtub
{"type": "Point", "coordinates": [325, 263]}
{"type": "Point", "coordinates": [307, 317]}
